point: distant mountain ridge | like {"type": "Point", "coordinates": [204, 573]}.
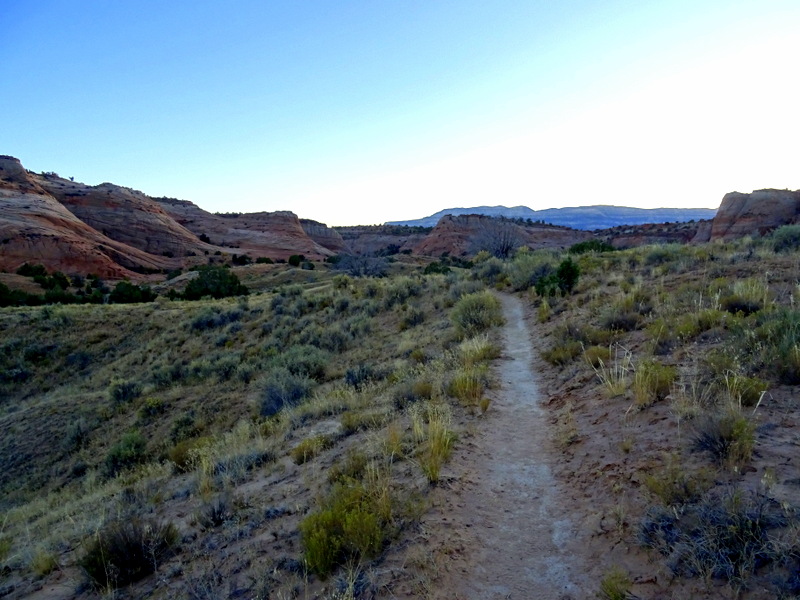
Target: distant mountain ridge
{"type": "Point", "coordinates": [580, 217]}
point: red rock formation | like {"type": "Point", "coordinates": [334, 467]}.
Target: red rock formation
{"type": "Point", "coordinates": [466, 234]}
{"type": "Point", "coordinates": [629, 236]}
{"type": "Point", "coordinates": [374, 239]}
{"type": "Point", "coordinates": [755, 214]}
{"type": "Point", "coordinates": [35, 227]}
{"type": "Point", "coordinates": [273, 234]}
{"type": "Point", "coordinates": [125, 215]}
{"type": "Point", "coordinates": [325, 236]}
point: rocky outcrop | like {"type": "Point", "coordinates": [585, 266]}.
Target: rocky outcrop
{"type": "Point", "coordinates": [35, 227]}
{"type": "Point", "coordinates": [125, 215]}
{"type": "Point", "coordinates": [756, 213]}
{"type": "Point", "coordinates": [466, 234]}
{"type": "Point", "coordinates": [651, 233]}
{"type": "Point", "coordinates": [381, 239]}
{"type": "Point", "coordinates": [271, 234]}
{"type": "Point", "coordinates": [325, 236]}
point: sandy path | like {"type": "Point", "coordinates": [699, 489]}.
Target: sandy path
{"type": "Point", "coordinates": [517, 543]}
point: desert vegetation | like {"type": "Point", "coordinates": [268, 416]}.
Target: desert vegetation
{"type": "Point", "coordinates": [299, 428]}
{"type": "Point", "coordinates": [279, 431]}
{"type": "Point", "coordinates": [685, 358]}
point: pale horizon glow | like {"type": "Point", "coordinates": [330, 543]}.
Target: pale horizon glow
{"type": "Point", "coordinates": [381, 112]}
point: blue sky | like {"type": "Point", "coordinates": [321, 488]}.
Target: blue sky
{"type": "Point", "coordinates": [362, 112]}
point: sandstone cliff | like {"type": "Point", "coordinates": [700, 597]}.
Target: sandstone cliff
{"type": "Point", "coordinates": [377, 239]}
{"type": "Point", "coordinates": [325, 236]}
{"type": "Point", "coordinates": [124, 215]}
{"type": "Point", "coordinates": [755, 214]}
{"type": "Point", "coordinates": [273, 234]}
{"type": "Point", "coordinates": [35, 227]}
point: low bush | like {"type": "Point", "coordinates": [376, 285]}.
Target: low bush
{"type": "Point", "coordinates": [615, 585]}
{"type": "Point", "coordinates": [122, 391]}
{"type": "Point", "coordinates": [213, 317]}
{"type": "Point", "coordinates": [349, 526]}
{"type": "Point", "coordinates": [724, 536]}
{"type": "Point", "coordinates": [728, 436]}
{"type": "Point", "coordinates": [597, 355]}
{"type": "Point", "coordinates": [282, 388]}
{"type": "Point", "coordinates": [785, 239]}
{"type": "Point", "coordinates": [361, 375]}
{"type": "Point", "coordinates": [475, 313]}
{"type": "Point", "coordinates": [128, 550]}
{"type": "Point", "coordinates": [309, 448]}
{"type": "Point", "coordinates": [468, 385]}
{"type": "Point", "coordinates": [563, 353]}
{"type": "Point", "coordinates": [674, 485]}
{"type": "Point", "coordinates": [128, 452]}
{"type": "Point", "coordinates": [304, 360]}
{"type": "Point", "coordinates": [591, 246]}
{"type": "Point", "coordinates": [652, 381]}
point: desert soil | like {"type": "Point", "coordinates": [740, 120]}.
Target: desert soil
{"type": "Point", "coordinates": [500, 529]}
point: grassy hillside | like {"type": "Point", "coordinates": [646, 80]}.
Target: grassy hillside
{"type": "Point", "coordinates": [674, 400]}
{"type": "Point", "coordinates": [298, 429]}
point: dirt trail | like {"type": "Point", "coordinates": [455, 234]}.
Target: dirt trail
{"type": "Point", "coordinates": [511, 536]}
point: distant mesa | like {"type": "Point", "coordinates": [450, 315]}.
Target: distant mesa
{"type": "Point", "coordinates": [580, 217]}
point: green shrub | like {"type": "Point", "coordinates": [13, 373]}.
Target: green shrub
{"type": "Point", "coordinates": [597, 355]}
{"type": "Point", "coordinates": [490, 271]}
{"type": "Point", "coordinates": [296, 259]}
{"type": "Point", "coordinates": [127, 550]}
{"type": "Point", "coordinates": [349, 526]}
{"type": "Point", "coordinates": [182, 454]}
{"type": "Point", "coordinates": [28, 270]}
{"type": "Point", "coordinates": [746, 391]}
{"type": "Point", "coordinates": [652, 382]}
{"type": "Point", "coordinates": [360, 375]}
{"type": "Point", "coordinates": [467, 385]}
{"type": "Point", "coordinates": [122, 391]}
{"type": "Point", "coordinates": [528, 268]}
{"type": "Point", "coordinates": [725, 535]}
{"type": "Point", "coordinates": [568, 273]}
{"type": "Point", "coordinates": [615, 585]}
{"type": "Point", "coordinates": [128, 452]}
{"type": "Point", "coordinates": [126, 292]}
{"type": "Point", "coordinates": [563, 353]}
{"type": "Point", "coordinates": [351, 468]}
{"type": "Point", "coordinates": [309, 448]}
{"type": "Point", "coordinates": [785, 239]}
{"type": "Point", "coordinates": [436, 267]}
{"type": "Point", "coordinates": [304, 360]}
{"type": "Point", "coordinates": [264, 260]}
{"type": "Point", "coordinates": [412, 317]}
{"type": "Point", "coordinates": [591, 246]}
{"type": "Point", "coordinates": [282, 388]}
{"type": "Point", "coordinates": [214, 281]}
{"type": "Point", "coordinates": [728, 436]}
{"type": "Point", "coordinates": [475, 313]}
{"type": "Point", "coordinates": [675, 485]}
{"type": "Point", "coordinates": [213, 317]}
{"type": "Point", "coordinates": [151, 408]}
